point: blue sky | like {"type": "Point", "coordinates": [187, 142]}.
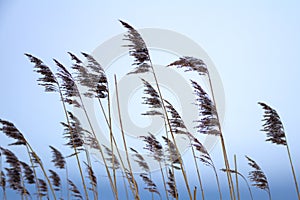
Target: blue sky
{"type": "Point", "coordinates": [254, 45]}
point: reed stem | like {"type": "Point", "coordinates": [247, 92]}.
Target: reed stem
{"type": "Point", "coordinates": [34, 172]}
{"type": "Point", "coordinates": [124, 140]}
{"type": "Point", "coordinates": [73, 144]}
{"type": "Point", "coordinates": [172, 134]}
{"type": "Point", "coordinates": [236, 178]}
{"type": "Point", "coordinates": [293, 170]}
{"type": "Point", "coordinates": [115, 143]}
{"type": "Point", "coordinates": [198, 172]}
{"type": "Point", "coordinates": [43, 170]}
{"type": "Point", "coordinates": [229, 178]}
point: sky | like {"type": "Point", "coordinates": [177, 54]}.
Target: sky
{"type": "Point", "coordinates": [254, 46]}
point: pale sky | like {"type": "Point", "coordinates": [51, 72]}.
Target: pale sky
{"type": "Point", "coordinates": [254, 45]}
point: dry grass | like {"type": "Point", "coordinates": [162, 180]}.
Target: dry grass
{"type": "Point", "coordinates": [17, 175]}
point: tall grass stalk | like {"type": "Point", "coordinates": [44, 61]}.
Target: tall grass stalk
{"type": "Point", "coordinates": [137, 197]}
{"type": "Point", "coordinates": [244, 178]}
{"type": "Point", "coordinates": [258, 177]}
{"type": "Point", "coordinates": [178, 127]}
{"type": "Point", "coordinates": [34, 172]}
{"type": "Point", "coordinates": [276, 134]}
{"type": "Point", "coordinates": [140, 51]}
{"type": "Point", "coordinates": [236, 178]}
{"type": "Point", "coordinates": [198, 66]}
{"type": "Point", "coordinates": [229, 178]}
{"type": "Point", "coordinates": [51, 84]}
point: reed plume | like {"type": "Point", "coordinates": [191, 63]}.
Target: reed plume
{"type": "Point", "coordinates": [172, 185]}
{"type": "Point", "coordinates": [51, 84]}
{"type": "Point", "coordinates": [273, 126]}
{"type": "Point", "coordinates": [139, 159]}
{"type": "Point", "coordinates": [67, 86]}
{"type": "Point", "coordinates": [206, 159]}
{"type": "Point", "coordinates": [28, 173]}
{"type": "Point", "coordinates": [154, 147]}
{"type": "Point", "coordinates": [153, 101]}
{"type": "Point", "coordinates": [43, 188]}
{"type": "Point", "coordinates": [11, 131]}
{"type": "Point", "coordinates": [57, 158]}
{"type": "Point", "coordinates": [209, 123]}
{"type": "Point", "coordinates": [47, 79]}
{"type": "Point", "coordinates": [257, 177]}
{"type": "Point", "coordinates": [93, 179]}
{"type": "Point", "coordinates": [150, 185]}
{"type": "Point", "coordinates": [156, 151]}
{"type": "Point", "coordinates": [178, 127]}
{"type": "Point", "coordinates": [94, 78]}
{"type": "Point", "coordinates": [146, 175]}
{"type": "Point", "coordinates": [191, 64]}
{"type": "Point", "coordinates": [98, 87]}
{"type": "Point", "coordinates": [138, 49]}
{"type": "Point", "coordinates": [172, 157]}
{"type": "Point", "coordinates": [3, 183]}
{"type": "Point", "coordinates": [59, 162]}
{"type": "Point", "coordinates": [111, 158]}
{"type": "Point", "coordinates": [97, 78]}
{"type": "Point", "coordinates": [55, 180]}
{"type": "Point", "coordinates": [74, 191]}
{"type": "Point", "coordinates": [14, 171]}
{"type": "Point", "coordinates": [74, 133]}
{"type": "Point", "coordinates": [276, 134]}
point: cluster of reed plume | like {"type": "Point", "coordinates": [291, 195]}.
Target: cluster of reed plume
{"type": "Point", "coordinates": [17, 175]}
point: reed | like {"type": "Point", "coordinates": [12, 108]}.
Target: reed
{"type": "Point", "coordinates": [258, 177]}
{"type": "Point", "coordinates": [208, 107]}
{"type": "Point", "coordinates": [22, 176]}
{"type": "Point", "coordinates": [276, 134]}
{"type": "Point", "coordinates": [138, 49]}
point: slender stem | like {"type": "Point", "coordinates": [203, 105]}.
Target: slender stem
{"type": "Point", "coordinates": [43, 170]}
{"type": "Point", "coordinates": [34, 173]}
{"type": "Point", "coordinates": [99, 147]}
{"type": "Point", "coordinates": [4, 194]}
{"type": "Point", "coordinates": [152, 195]}
{"type": "Point", "coordinates": [169, 146]}
{"type": "Point", "coordinates": [176, 191]}
{"type": "Point", "coordinates": [73, 143]}
{"type": "Point", "coordinates": [172, 135]}
{"type": "Point", "coordinates": [124, 141]}
{"type": "Point", "coordinates": [293, 171]}
{"type": "Point", "coordinates": [125, 187]}
{"type": "Point", "coordinates": [217, 179]}
{"type": "Point", "coordinates": [269, 194]}
{"type": "Point", "coordinates": [23, 192]}
{"type": "Point", "coordinates": [94, 188]}
{"type": "Point", "coordinates": [247, 185]}
{"type": "Point", "coordinates": [67, 177]}
{"type": "Point", "coordinates": [195, 193]}
{"type": "Point", "coordinates": [164, 180]}
{"type": "Point", "coordinates": [103, 111]}
{"type": "Point", "coordinates": [2, 186]}
{"type": "Point", "coordinates": [111, 141]}
{"type": "Point", "coordinates": [198, 171]}
{"type": "Point", "coordinates": [229, 178]}
{"type": "Point", "coordinates": [115, 143]}
{"type": "Point", "coordinates": [236, 178]}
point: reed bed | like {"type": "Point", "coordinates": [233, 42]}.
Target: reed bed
{"type": "Point", "coordinates": [31, 179]}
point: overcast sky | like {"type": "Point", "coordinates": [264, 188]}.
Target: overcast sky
{"type": "Point", "coordinates": [254, 46]}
